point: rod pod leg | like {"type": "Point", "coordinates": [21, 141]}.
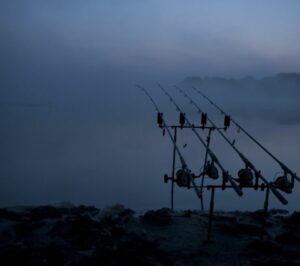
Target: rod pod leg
{"type": "Point", "coordinates": [204, 164]}
{"type": "Point", "coordinates": [265, 213]}
{"type": "Point", "coordinates": [211, 211]}
{"type": "Point", "coordinates": [173, 169]}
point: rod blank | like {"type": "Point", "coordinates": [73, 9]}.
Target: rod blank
{"type": "Point", "coordinates": [282, 165]}
{"type": "Point", "coordinates": [242, 156]}
{"type": "Point", "coordinates": [164, 125]}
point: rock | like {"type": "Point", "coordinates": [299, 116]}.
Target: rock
{"type": "Point", "coordinates": [290, 237]}
{"type": "Point", "coordinates": [278, 211]}
{"type": "Point", "coordinates": [266, 247]}
{"type": "Point", "coordinates": [131, 249]}
{"type": "Point", "coordinates": [240, 229]}
{"type": "Point", "coordinates": [224, 218]}
{"type": "Point", "coordinates": [24, 230]}
{"type": "Point", "coordinates": [14, 255]}
{"type": "Point", "coordinates": [81, 209]}
{"type": "Point", "coordinates": [116, 210]}
{"type": "Point", "coordinates": [80, 231]}
{"type": "Point", "coordinates": [259, 215]}
{"type": "Point", "coordinates": [11, 215]}
{"type": "Point", "coordinates": [7, 236]}
{"type": "Point", "coordinates": [47, 212]}
{"type": "Point", "coordinates": [294, 220]}
{"type": "Point", "coordinates": [69, 235]}
{"type": "Point", "coordinates": [22, 255]}
{"type": "Point", "coordinates": [159, 217]}
{"type": "Point", "coordinates": [187, 213]}
{"type": "Point", "coordinates": [268, 251]}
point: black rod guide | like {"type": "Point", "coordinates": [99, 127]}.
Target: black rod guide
{"type": "Point", "coordinates": [241, 155]}
{"type": "Point", "coordinates": [282, 165]}
{"type": "Point", "coordinates": [213, 157]}
{"type": "Point", "coordinates": [183, 163]}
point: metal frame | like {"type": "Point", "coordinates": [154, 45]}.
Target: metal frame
{"type": "Point", "coordinates": [172, 177]}
{"type": "Point", "coordinates": [226, 177]}
{"type": "Point", "coordinates": [212, 203]}
{"type": "Point", "coordinates": [286, 169]}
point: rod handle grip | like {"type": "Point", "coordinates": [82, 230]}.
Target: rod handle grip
{"type": "Point", "coordinates": [235, 187]}
{"type": "Point", "coordinates": [278, 195]}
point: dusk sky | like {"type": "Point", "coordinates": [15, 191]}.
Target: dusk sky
{"type": "Point", "coordinates": [75, 128]}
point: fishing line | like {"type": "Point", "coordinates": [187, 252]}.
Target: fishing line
{"type": "Point", "coordinates": [213, 157]}
{"type": "Point", "coordinates": [282, 165]}
{"type": "Point", "coordinates": [241, 155]}
{"type": "Point", "coordinates": [184, 165]}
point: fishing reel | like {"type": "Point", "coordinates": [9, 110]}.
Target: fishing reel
{"type": "Point", "coordinates": [183, 178]}
{"type": "Point", "coordinates": [245, 177]}
{"type": "Point", "coordinates": [283, 184]}
{"type": "Point", "coordinates": [211, 171]}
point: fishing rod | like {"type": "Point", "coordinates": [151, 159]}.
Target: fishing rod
{"type": "Point", "coordinates": [282, 165]}
{"type": "Point", "coordinates": [241, 155]}
{"type": "Point", "coordinates": [213, 157]}
{"type": "Point", "coordinates": [184, 166]}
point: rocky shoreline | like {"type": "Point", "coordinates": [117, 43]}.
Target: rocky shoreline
{"type": "Point", "coordinates": [85, 235]}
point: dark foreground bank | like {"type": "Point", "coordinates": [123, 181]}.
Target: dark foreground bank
{"type": "Point", "coordinates": [85, 235]}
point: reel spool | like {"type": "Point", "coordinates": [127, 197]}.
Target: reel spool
{"type": "Point", "coordinates": [211, 171]}
{"type": "Point", "coordinates": [183, 178]}
{"type": "Point", "coordinates": [245, 177]}
{"type": "Point", "coordinates": [283, 184]}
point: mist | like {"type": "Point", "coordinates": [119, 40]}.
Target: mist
{"type": "Point", "coordinates": [75, 128]}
